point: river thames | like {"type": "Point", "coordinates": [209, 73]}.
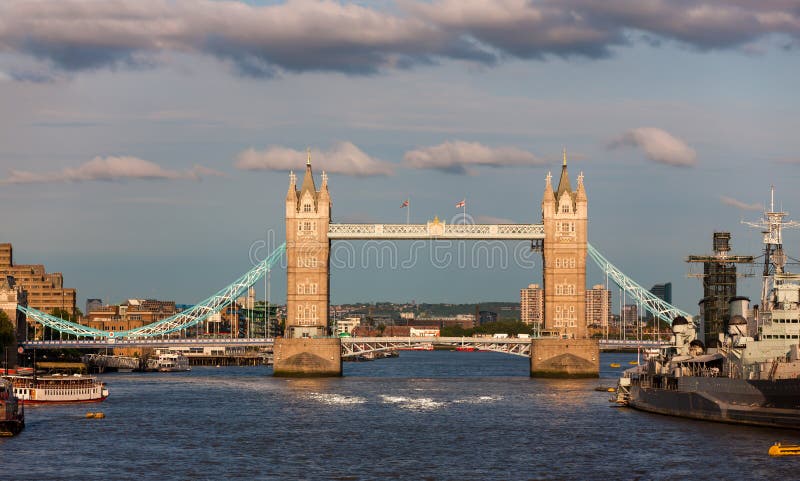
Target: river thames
{"type": "Point", "coordinates": [439, 415]}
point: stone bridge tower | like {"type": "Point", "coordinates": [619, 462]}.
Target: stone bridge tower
{"type": "Point", "coordinates": [565, 219]}
{"type": "Point", "coordinates": [308, 213]}
{"type": "Point", "coordinates": [567, 351]}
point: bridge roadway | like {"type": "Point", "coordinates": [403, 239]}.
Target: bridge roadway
{"type": "Point", "coordinates": [351, 346]}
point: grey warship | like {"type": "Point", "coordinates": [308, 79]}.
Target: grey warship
{"type": "Point", "coordinates": [751, 375]}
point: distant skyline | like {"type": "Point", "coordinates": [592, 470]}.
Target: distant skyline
{"type": "Point", "coordinates": [145, 145]}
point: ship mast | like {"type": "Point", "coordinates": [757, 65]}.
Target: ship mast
{"type": "Point", "coordinates": [771, 226]}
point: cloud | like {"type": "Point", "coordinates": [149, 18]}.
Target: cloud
{"type": "Point", "coordinates": [658, 145]}
{"type": "Point", "coordinates": [110, 169]}
{"type": "Point", "coordinates": [790, 160]}
{"type": "Point", "coordinates": [739, 204]}
{"type": "Point", "coordinates": [362, 39]}
{"type": "Point", "coordinates": [342, 158]}
{"type": "Point", "coordinates": [458, 157]}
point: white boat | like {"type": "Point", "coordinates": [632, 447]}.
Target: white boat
{"type": "Point", "coordinates": [58, 389]}
{"type": "Point", "coordinates": [170, 361]}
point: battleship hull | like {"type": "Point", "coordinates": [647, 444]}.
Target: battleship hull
{"type": "Point", "coordinates": [758, 403]}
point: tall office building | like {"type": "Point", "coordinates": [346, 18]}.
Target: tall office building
{"type": "Point", "coordinates": [663, 292]}
{"type": "Point", "coordinates": [598, 306]}
{"type": "Point", "coordinates": [630, 315]}
{"type": "Point", "coordinates": [531, 302]}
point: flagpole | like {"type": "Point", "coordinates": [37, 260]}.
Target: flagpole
{"type": "Point", "coordinates": [465, 211]}
{"type": "Point", "coordinates": [408, 212]}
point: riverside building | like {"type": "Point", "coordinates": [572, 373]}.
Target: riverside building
{"type": "Point", "coordinates": [598, 306]}
{"type": "Point", "coordinates": [46, 291]}
{"type": "Point", "coordinates": [531, 302]}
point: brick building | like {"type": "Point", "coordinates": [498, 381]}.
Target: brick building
{"type": "Point", "coordinates": [46, 291]}
{"type": "Point", "coordinates": [130, 314]}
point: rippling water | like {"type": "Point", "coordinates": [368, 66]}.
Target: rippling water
{"type": "Point", "coordinates": [425, 415]}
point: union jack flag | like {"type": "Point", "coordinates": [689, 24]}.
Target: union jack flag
{"type": "Point", "coordinates": [404, 204]}
{"type": "Point", "coordinates": [461, 204]}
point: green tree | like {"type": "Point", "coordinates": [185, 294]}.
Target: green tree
{"type": "Point", "coordinates": [7, 336]}
{"type": "Point", "coordinates": [63, 314]}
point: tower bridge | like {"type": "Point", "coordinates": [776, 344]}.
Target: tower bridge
{"type": "Point", "coordinates": [305, 349]}
{"type": "Point", "coordinates": [562, 236]}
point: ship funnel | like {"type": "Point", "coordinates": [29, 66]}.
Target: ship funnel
{"type": "Point", "coordinates": [739, 306]}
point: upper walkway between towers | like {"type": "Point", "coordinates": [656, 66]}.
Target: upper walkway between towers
{"type": "Point", "coordinates": [436, 229]}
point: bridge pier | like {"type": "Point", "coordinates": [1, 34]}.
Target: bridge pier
{"type": "Point", "coordinates": [565, 358]}
{"type": "Point", "coordinates": [307, 357]}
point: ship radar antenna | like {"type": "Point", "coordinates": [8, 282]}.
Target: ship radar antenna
{"type": "Point", "coordinates": [771, 226]}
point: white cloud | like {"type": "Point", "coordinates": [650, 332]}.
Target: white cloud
{"type": "Point", "coordinates": [658, 145]}
{"type": "Point", "coordinates": [110, 169]}
{"type": "Point", "coordinates": [342, 158]}
{"type": "Point", "coordinates": [458, 157]}
{"type": "Point", "coordinates": [739, 204]}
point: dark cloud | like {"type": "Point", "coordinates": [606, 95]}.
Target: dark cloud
{"type": "Point", "coordinates": [307, 35]}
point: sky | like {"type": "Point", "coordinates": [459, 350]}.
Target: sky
{"type": "Point", "coordinates": [145, 145]}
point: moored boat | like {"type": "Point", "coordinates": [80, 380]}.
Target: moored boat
{"type": "Point", "coordinates": [751, 375]}
{"type": "Point", "coordinates": [12, 413]}
{"type": "Point", "coordinates": [58, 389]}
{"type": "Point", "coordinates": [169, 361]}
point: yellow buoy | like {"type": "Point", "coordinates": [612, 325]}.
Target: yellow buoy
{"type": "Point", "coordinates": [633, 363]}
{"type": "Point", "coordinates": [612, 389]}
{"type": "Point", "coordinates": [614, 364]}
{"type": "Point", "coordinates": [99, 415]}
{"type": "Point", "coordinates": [779, 449]}
{"type": "Point", "coordinates": [89, 415]}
